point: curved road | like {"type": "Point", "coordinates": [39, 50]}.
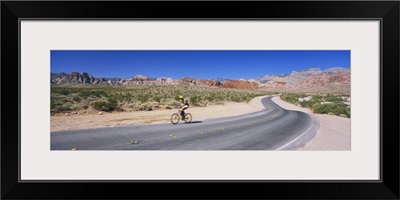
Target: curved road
{"type": "Point", "coordinates": [272, 128]}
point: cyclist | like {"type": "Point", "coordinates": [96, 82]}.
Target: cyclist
{"type": "Point", "coordinates": [184, 103]}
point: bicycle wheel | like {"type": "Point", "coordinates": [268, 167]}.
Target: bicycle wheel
{"type": "Point", "coordinates": [188, 117]}
{"type": "Point", "coordinates": [175, 118]}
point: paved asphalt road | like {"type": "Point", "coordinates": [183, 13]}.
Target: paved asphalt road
{"type": "Point", "coordinates": [272, 128]}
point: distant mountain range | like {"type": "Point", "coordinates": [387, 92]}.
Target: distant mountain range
{"type": "Point", "coordinates": [299, 75]}
{"type": "Point", "coordinates": [306, 78]}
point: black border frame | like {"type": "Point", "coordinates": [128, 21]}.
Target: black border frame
{"type": "Point", "coordinates": [386, 11]}
{"type": "Point", "coordinates": [200, 19]}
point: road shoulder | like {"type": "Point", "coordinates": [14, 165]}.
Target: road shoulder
{"type": "Point", "coordinates": [334, 132]}
{"type": "Point", "coordinates": [87, 121]}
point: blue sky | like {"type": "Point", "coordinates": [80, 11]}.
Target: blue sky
{"type": "Point", "coordinates": [203, 64]}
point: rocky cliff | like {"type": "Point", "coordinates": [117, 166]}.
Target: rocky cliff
{"type": "Point", "coordinates": [312, 77]}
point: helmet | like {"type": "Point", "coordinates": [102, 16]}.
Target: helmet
{"type": "Point", "coordinates": [181, 97]}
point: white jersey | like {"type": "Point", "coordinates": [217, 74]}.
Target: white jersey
{"type": "Point", "coordinates": [184, 102]}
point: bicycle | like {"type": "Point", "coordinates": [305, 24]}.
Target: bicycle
{"type": "Point", "coordinates": [176, 117]}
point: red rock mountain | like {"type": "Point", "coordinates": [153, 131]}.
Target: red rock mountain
{"type": "Point", "coordinates": [308, 78]}
{"type": "Point", "coordinates": [248, 85]}
{"type": "Point", "coordinates": [341, 78]}
{"type": "Point", "coordinates": [313, 77]}
{"type": "Point", "coordinates": [198, 82]}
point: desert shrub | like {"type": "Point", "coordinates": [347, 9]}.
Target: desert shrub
{"type": "Point", "coordinates": [61, 107]}
{"type": "Point", "coordinates": [158, 99]}
{"type": "Point", "coordinates": [143, 98]}
{"type": "Point", "coordinates": [65, 91]}
{"type": "Point", "coordinates": [76, 107]}
{"type": "Point", "coordinates": [145, 107]}
{"type": "Point", "coordinates": [127, 97]}
{"type": "Point", "coordinates": [77, 99]}
{"type": "Point", "coordinates": [195, 100]}
{"type": "Point", "coordinates": [100, 105]}
{"type": "Point", "coordinates": [292, 97]}
{"type": "Point", "coordinates": [99, 93]}
{"type": "Point", "coordinates": [336, 109]}
{"type": "Point", "coordinates": [306, 104]}
{"type": "Point", "coordinates": [242, 97]}
{"type": "Point", "coordinates": [131, 97]}
{"type": "Point", "coordinates": [84, 94]}
{"type": "Point", "coordinates": [211, 97]}
{"type": "Point", "coordinates": [109, 105]}
{"type": "Point", "coordinates": [335, 105]}
{"type": "Point", "coordinates": [332, 98]}
{"type": "Point", "coordinates": [53, 102]}
{"type": "Point", "coordinates": [235, 98]}
{"type": "Point", "coordinates": [317, 98]}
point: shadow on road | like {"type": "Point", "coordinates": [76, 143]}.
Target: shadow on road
{"type": "Point", "coordinates": [195, 122]}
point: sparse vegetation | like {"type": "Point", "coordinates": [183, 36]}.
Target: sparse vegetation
{"type": "Point", "coordinates": [109, 105]}
{"type": "Point", "coordinates": [77, 99]}
{"type": "Point", "coordinates": [321, 104]}
{"type": "Point", "coordinates": [317, 90]}
{"type": "Point", "coordinates": [337, 109]}
{"type": "Point", "coordinates": [133, 98]}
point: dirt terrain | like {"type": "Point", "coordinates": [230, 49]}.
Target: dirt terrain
{"type": "Point", "coordinates": [334, 132]}
{"type": "Point", "coordinates": [97, 119]}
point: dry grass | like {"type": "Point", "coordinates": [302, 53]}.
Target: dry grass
{"type": "Point", "coordinates": [141, 98]}
{"type": "Point", "coordinates": [321, 90]}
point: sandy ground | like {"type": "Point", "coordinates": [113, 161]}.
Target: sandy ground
{"type": "Point", "coordinates": [333, 134]}
{"type": "Point", "coordinates": [83, 121]}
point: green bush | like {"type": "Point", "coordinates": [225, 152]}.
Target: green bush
{"type": "Point", "coordinates": [58, 109]}
{"type": "Point", "coordinates": [336, 109]}
{"type": "Point", "coordinates": [157, 99]}
{"type": "Point", "coordinates": [292, 97]}
{"type": "Point", "coordinates": [195, 100]}
{"type": "Point", "coordinates": [109, 105]}
{"type": "Point", "coordinates": [212, 97]}
{"type": "Point", "coordinates": [143, 98]}
{"type": "Point", "coordinates": [332, 98]}
{"type": "Point", "coordinates": [127, 97]}
{"type": "Point", "coordinates": [235, 98]}
{"type": "Point", "coordinates": [84, 94]}
{"type": "Point", "coordinates": [76, 107]}
{"type": "Point", "coordinates": [63, 91]}
{"type": "Point", "coordinates": [99, 93]}
{"type": "Point", "coordinates": [53, 103]}
{"type": "Point", "coordinates": [335, 105]}
{"type": "Point", "coordinates": [77, 99]}
{"type": "Point", "coordinates": [306, 104]}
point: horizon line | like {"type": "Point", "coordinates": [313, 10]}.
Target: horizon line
{"type": "Point", "coordinates": [199, 78]}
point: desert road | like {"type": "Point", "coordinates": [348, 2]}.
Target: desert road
{"type": "Point", "coordinates": [272, 128]}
